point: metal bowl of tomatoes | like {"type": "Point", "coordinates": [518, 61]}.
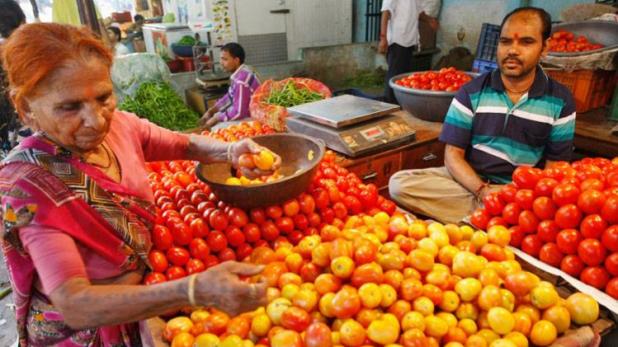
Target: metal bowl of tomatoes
{"type": "Point", "coordinates": [428, 94]}
{"type": "Point", "coordinates": [300, 156]}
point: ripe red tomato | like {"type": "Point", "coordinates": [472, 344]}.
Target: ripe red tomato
{"type": "Point", "coordinates": [195, 266]}
{"type": "Point", "coordinates": [199, 228]}
{"type": "Point", "coordinates": [493, 204]}
{"type": "Point", "coordinates": [269, 231]}
{"type": "Point", "coordinates": [340, 210]}
{"type": "Point", "coordinates": [199, 248]}
{"type": "Point", "coordinates": [528, 222]}
{"type": "Point", "coordinates": [480, 218]}
{"type": "Point", "coordinates": [321, 198]}
{"type": "Point", "coordinates": [545, 187]}
{"type": "Point", "coordinates": [243, 251]}
{"type": "Point", "coordinates": [353, 204]}
{"type": "Point", "coordinates": [592, 226]}
{"type": "Point", "coordinates": [547, 231]}
{"type": "Point", "coordinates": [181, 233]}
{"type": "Point", "coordinates": [274, 212]}
{"type": "Point", "coordinates": [307, 204]}
{"type": "Point", "coordinates": [238, 217]}
{"type": "Point", "coordinates": [291, 208]}
{"type": "Point", "coordinates": [162, 238]}
{"type": "Point", "coordinates": [595, 276]}
{"type": "Point", "coordinates": [285, 225]}
{"type": "Point", "coordinates": [591, 201]}
{"type": "Point", "coordinates": [591, 252]}
{"type": "Point", "coordinates": [178, 256]}
{"type": "Point", "coordinates": [531, 244]}
{"type": "Point", "coordinates": [154, 278]}
{"type": "Point", "coordinates": [572, 265]}
{"type": "Point", "coordinates": [609, 212]}
{"type": "Point", "coordinates": [524, 198]}
{"type": "Point", "coordinates": [218, 220]}
{"type": "Point", "coordinates": [158, 261]}
{"type": "Point", "coordinates": [369, 196]}
{"type": "Point", "coordinates": [517, 236]}
{"type": "Point", "coordinates": [544, 208]}
{"type": "Point", "coordinates": [258, 216]}
{"type": "Point", "coordinates": [226, 254]}
{"type": "Point", "coordinates": [216, 241]}
{"type": "Point", "coordinates": [511, 212]}
{"type": "Point", "coordinates": [507, 193]}
{"type": "Point", "coordinates": [526, 177]}
{"type": "Point", "coordinates": [496, 221]}
{"type": "Point", "coordinates": [550, 254]}
{"type": "Point", "coordinates": [611, 264]}
{"type": "Point", "coordinates": [175, 272]}
{"type": "Point", "coordinates": [234, 236]}
{"type": "Point", "coordinates": [591, 183]}
{"type": "Point", "coordinates": [568, 240]}
{"type": "Point", "coordinates": [610, 238]}
{"type": "Point", "coordinates": [568, 216]}
{"type": "Point", "coordinates": [252, 232]}
{"type": "Point", "coordinates": [388, 206]}
{"type": "Point", "coordinates": [564, 194]}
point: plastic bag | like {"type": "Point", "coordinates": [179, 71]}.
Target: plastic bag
{"type": "Point", "coordinates": [274, 115]}
{"type": "Point", "coordinates": [130, 71]}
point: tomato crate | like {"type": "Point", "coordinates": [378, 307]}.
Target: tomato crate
{"type": "Point", "coordinates": [488, 42]}
{"type": "Point", "coordinates": [590, 88]}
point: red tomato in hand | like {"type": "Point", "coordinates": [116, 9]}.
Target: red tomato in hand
{"type": "Point", "coordinates": [568, 216]}
{"type": "Point", "coordinates": [550, 254]}
{"type": "Point", "coordinates": [158, 261]}
{"type": "Point", "coordinates": [572, 265]}
{"type": "Point", "coordinates": [591, 252]}
{"type": "Point", "coordinates": [595, 276]}
{"type": "Point", "coordinates": [568, 240]}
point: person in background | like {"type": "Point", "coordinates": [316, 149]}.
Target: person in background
{"type": "Point", "coordinates": [138, 24]}
{"type": "Point", "coordinates": [399, 37]}
{"type": "Point", "coordinates": [426, 28]}
{"type": "Point", "coordinates": [114, 35]}
{"type": "Point", "coordinates": [510, 117]}
{"type": "Point", "coordinates": [234, 105]}
{"type": "Point", "coordinates": [11, 17]}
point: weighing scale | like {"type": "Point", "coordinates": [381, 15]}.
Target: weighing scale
{"type": "Point", "coordinates": [351, 125]}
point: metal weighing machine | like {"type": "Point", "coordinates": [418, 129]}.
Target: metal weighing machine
{"type": "Point", "coordinates": [351, 125]}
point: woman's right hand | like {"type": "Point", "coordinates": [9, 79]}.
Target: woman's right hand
{"type": "Point", "coordinates": [221, 287]}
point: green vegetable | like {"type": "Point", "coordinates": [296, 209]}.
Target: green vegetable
{"type": "Point", "coordinates": [159, 103]}
{"type": "Point", "coordinates": [187, 41]}
{"type": "Point", "coordinates": [290, 95]}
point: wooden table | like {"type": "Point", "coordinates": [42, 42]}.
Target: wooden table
{"type": "Point", "coordinates": [593, 134]}
{"type": "Point", "coordinates": [425, 151]}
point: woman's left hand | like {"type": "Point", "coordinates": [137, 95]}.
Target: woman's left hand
{"type": "Point", "coordinates": [248, 146]}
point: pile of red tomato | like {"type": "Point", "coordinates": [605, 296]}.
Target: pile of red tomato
{"type": "Point", "coordinates": [446, 79]}
{"type": "Point", "coordinates": [566, 41]}
{"type": "Point", "coordinates": [196, 231]}
{"type": "Point", "coordinates": [241, 130]}
{"type": "Point", "coordinates": [567, 216]}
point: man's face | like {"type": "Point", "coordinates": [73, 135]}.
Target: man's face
{"type": "Point", "coordinates": [521, 45]}
{"type": "Point", "coordinates": [228, 62]}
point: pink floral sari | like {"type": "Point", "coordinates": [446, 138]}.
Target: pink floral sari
{"type": "Point", "coordinates": [43, 185]}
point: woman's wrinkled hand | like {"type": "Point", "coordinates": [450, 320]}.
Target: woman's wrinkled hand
{"type": "Point", "coordinates": [248, 146]}
{"type": "Point", "coordinates": [222, 288]}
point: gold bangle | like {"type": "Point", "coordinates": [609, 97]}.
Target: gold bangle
{"type": "Point", "coordinates": [191, 289]}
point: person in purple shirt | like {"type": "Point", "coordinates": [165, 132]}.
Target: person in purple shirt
{"type": "Point", "coordinates": [234, 105]}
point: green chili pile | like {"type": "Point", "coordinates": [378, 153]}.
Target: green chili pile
{"type": "Point", "coordinates": [159, 103]}
{"type": "Point", "coordinates": [291, 95]}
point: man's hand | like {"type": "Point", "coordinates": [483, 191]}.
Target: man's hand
{"type": "Point", "coordinates": [211, 122]}
{"type": "Point", "coordinates": [248, 146]}
{"type": "Point", "coordinates": [434, 23]}
{"type": "Point", "coordinates": [207, 116]}
{"type": "Point", "coordinates": [382, 46]}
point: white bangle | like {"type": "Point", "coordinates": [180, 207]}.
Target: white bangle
{"type": "Point", "coordinates": [229, 153]}
{"type": "Point", "coordinates": [191, 289]}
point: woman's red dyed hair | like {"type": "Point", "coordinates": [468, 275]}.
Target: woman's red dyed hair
{"type": "Point", "coordinates": [34, 51]}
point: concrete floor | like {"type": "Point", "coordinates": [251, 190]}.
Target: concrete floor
{"type": "Point", "coordinates": [8, 331]}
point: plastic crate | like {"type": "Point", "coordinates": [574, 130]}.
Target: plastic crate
{"type": "Point", "coordinates": [488, 42]}
{"type": "Point", "coordinates": [590, 88]}
{"type": "Point", "coordinates": [482, 66]}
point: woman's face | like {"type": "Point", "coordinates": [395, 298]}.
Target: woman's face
{"type": "Point", "coordinates": [73, 105]}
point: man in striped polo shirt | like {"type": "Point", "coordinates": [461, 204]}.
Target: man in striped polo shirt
{"type": "Point", "coordinates": [510, 117]}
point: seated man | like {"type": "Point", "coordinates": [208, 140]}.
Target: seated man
{"type": "Point", "coordinates": [512, 116]}
{"type": "Point", "coordinates": [234, 105]}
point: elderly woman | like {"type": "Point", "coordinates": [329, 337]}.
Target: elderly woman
{"type": "Point", "coordinates": [76, 205]}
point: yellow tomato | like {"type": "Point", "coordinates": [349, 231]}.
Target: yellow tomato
{"type": "Point", "coordinates": [176, 326]}
{"type": "Point", "coordinates": [450, 301]}
{"type": "Point", "coordinates": [543, 297]}
{"type": "Point", "coordinates": [416, 230]}
{"type": "Point", "coordinates": [499, 235]}
{"type": "Point", "coordinates": [183, 339]}
{"type": "Point", "coordinates": [468, 288]}
{"type": "Point", "coordinates": [502, 343]}
{"type": "Point", "coordinates": [370, 295]}
{"type": "Point", "coordinates": [489, 335]}
{"type": "Point", "coordinates": [429, 245]}
{"type": "Point", "coordinates": [583, 308]}
{"type": "Point", "coordinates": [543, 333]}
{"type": "Point", "coordinates": [384, 330]}
{"type": "Point", "coordinates": [424, 305]}
{"type": "Point", "coordinates": [449, 318]}
{"type": "Point", "coordinates": [264, 160]}
{"type": "Point", "coordinates": [466, 232]}
{"type": "Point", "coordinates": [435, 327]}
{"type": "Point", "coordinates": [476, 341]}
{"type": "Point", "coordinates": [559, 316]}
{"type": "Point", "coordinates": [206, 340]}
{"type": "Point", "coordinates": [467, 264]}
{"type": "Point", "coordinates": [233, 181]}
{"type": "Point", "coordinates": [468, 325]}
{"type": "Point", "coordinates": [467, 310]}
{"type": "Point", "coordinates": [479, 239]}
{"type": "Point", "coordinates": [517, 338]}
{"type": "Point", "coordinates": [523, 322]}
{"type": "Point", "coordinates": [413, 320]}
{"type": "Point", "coordinates": [260, 325]}
{"type": "Point", "coordinates": [231, 341]}
{"type": "Point", "coordinates": [389, 295]}
{"type": "Point", "coordinates": [500, 320]}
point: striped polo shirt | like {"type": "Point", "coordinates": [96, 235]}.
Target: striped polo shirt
{"type": "Point", "coordinates": [499, 136]}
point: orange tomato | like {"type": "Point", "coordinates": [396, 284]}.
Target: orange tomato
{"type": "Point", "coordinates": [559, 316]}
{"type": "Point", "coordinates": [366, 316]}
{"type": "Point", "coordinates": [523, 322]}
{"type": "Point", "coordinates": [286, 338]}
{"type": "Point", "coordinates": [410, 289]}
{"type": "Point", "coordinates": [183, 339]}
{"type": "Point", "coordinates": [489, 297]}
{"type": "Point", "coordinates": [520, 283]}
{"type": "Point", "coordinates": [370, 295]}
{"type": "Point", "coordinates": [582, 308]}
{"type": "Point", "coordinates": [543, 333]}
{"type": "Point", "coordinates": [400, 308]}
{"type": "Point", "coordinates": [352, 333]}
{"type": "Point", "coordinates": [346, 303]}
{"type": "Point", "coordinates": [176, 326]}
{"type": "Point", "coordinates": [384, 330]}
{"type": "Point", "coordinates": [327, 283]}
